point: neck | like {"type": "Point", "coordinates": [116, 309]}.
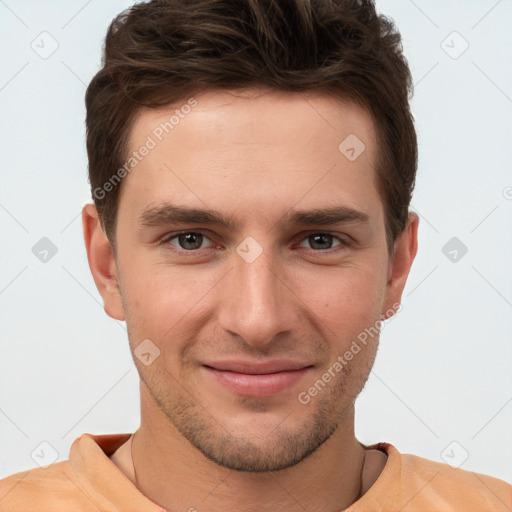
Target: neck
{"type": "Point", "coordinates": [177, 476]}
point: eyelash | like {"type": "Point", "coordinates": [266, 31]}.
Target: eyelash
{"type": "Point", "coordinates": [165, 240]}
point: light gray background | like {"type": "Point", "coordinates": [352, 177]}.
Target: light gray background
{"type": "Point", "coordinates": [443, 371]}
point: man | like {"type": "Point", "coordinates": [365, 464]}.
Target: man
{"type": "Point", "coordinates": [251, 164]}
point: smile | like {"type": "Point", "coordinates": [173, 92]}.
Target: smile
{"type": "Point", "coordinates": [256, 380]}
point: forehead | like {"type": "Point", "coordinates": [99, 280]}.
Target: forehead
{"type": "Point", "coordinates": [256, 115]}
{"type": "Point", "coordinates": [258, 143]}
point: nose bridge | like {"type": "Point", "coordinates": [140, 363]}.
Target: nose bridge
{"type": "Point", "coordinates": [258, 305]}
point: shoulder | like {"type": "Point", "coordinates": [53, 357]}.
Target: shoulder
{"type": "Point", "coordinates": [426, 482]}
{"type": "Point", "coordinates": [411, 483]}
{"type": "Point", "coordinates": [51, 488]}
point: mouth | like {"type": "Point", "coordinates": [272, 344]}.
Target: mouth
{"type": "Point", "coordinates": [247, 378]}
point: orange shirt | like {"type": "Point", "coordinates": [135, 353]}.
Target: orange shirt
{"type": "Point", "coordinates": [90, 481]}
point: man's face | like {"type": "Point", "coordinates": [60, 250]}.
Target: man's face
{"type": "Point", "coordinates": [272, 292]}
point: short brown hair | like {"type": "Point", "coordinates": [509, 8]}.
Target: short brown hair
{"type": "Point", "coordinates": [160, 52]}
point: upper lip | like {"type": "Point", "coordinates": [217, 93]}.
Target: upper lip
{"type": "Point", "coordinates": [256, 367]}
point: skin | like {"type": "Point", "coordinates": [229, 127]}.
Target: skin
{"type": "Point", "coordinates": [256, 156]}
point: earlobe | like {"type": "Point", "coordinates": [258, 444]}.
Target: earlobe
{"type": "Point", "coordinates": [102, 262]}
{"type": "Point", "coordinates": [404, 252]}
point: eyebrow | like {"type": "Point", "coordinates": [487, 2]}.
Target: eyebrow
{"type": "Point", "coordinates": [167, 213]}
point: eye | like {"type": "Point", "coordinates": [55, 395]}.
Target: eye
{"type": "Point", "coordinates": [186, 241]}
{"type": "Point", "coordinates": [323, 241]}
{"type": "Point", "coordinates": [193, 241]}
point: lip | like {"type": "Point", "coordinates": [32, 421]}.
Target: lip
{"type": "Point", "coordinates": [248, 378]}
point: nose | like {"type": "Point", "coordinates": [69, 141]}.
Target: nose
{"type": "Point", "coordinates": [257, 304]}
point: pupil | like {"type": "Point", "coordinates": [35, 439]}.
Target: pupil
{"type": "Point", "coordinates": [319, 238]}
{"type": "Point", "coordinates": [190, 238]}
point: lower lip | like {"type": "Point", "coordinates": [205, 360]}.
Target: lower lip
{"type": "Point", "coordinates": [257, 385]}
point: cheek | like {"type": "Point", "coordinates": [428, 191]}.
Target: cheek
{"type": "Point", "coordinates": [347, 300]}
{"type": "Point", "coordinates": [164, 304]}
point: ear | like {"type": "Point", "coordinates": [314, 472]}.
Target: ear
{"type": "Point", "coordinates": [404, 251]}
{"type": "Point", "coordinates": [101, 262]}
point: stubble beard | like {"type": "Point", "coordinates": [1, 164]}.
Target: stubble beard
{"type": "Point", "coordinates": [281, 447]}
